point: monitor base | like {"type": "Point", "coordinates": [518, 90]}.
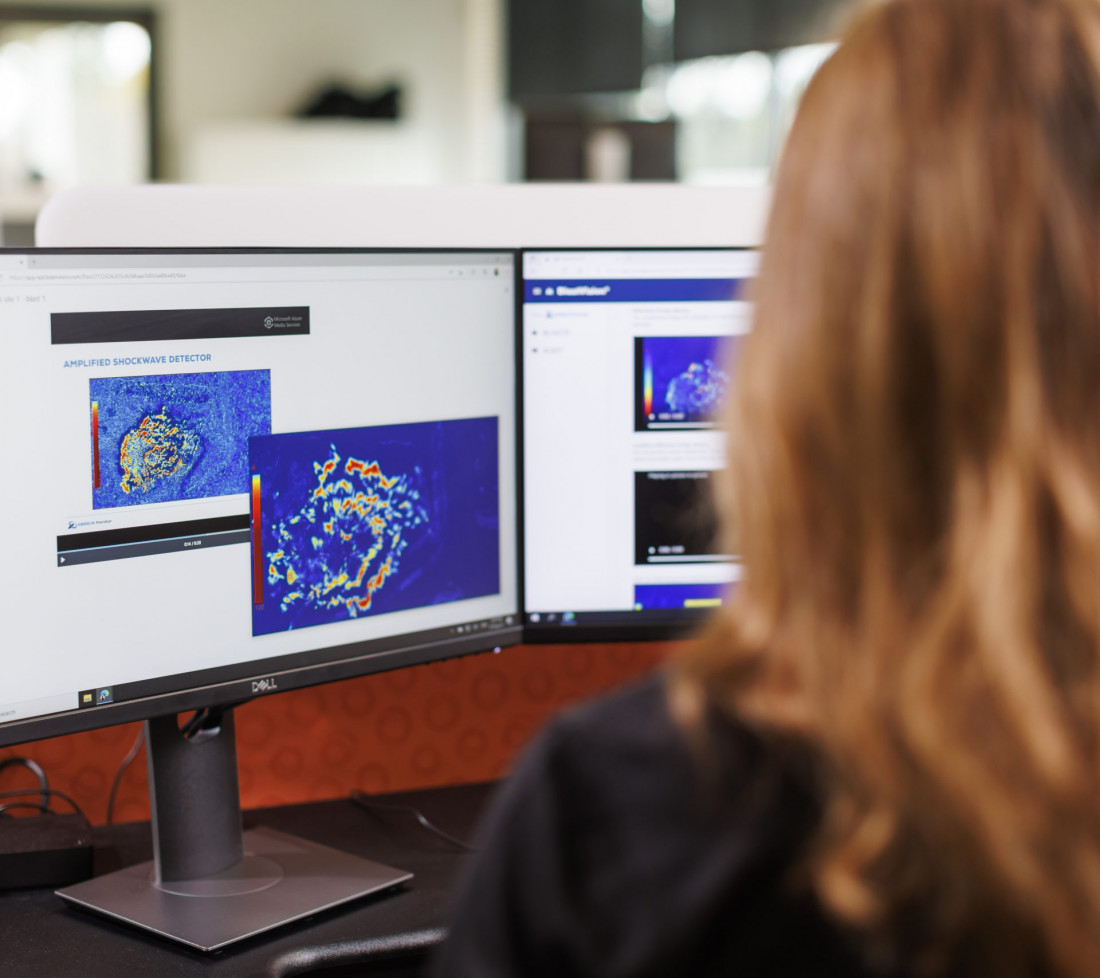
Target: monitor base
{"type": "Point", "coordinates": [281, 879]}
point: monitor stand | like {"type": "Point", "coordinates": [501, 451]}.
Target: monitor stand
{"type": "Point", "coordinates": [209, 883]}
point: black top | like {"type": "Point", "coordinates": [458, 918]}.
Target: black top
{"type": "Point", "coordinates": [613, 853]}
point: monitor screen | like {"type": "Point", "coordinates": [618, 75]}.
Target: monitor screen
{"type": "Point", "coordinates": [236, 472]}
{"type": "Point", "coordinates": [627, 358]}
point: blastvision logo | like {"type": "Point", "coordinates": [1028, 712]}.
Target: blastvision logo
{"type": "Point", "coordinates": [581, 290]}
{"type": "Point", "coordinates": [265, 685]}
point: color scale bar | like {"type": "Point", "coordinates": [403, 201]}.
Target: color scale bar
{"type": "Point", "coordinates": [95, 444]}
{"type": "Point", "coordinates": [257, 545]}
{"type": "Point", "coordinates": [647, 382]}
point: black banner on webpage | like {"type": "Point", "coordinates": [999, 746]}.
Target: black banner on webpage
{"type": "Point", "coordinates": [177, 324]}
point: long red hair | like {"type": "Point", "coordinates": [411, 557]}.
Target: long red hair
{"type": "Point", "coordinates": [914, 483]}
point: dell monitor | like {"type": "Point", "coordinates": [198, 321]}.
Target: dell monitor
{"type": "Point", "coordinates": [627, 361]}
{"type": "Point", "coordinates": [236, 472]}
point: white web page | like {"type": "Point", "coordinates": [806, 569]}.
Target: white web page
{"type": "Point", "coordinates": [592, 462]}
{"type": "Point", "coordinates": [388, 344]}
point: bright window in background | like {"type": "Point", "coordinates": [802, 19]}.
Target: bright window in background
{"type": "Point", "coordinates": [75, 102]}
{"type": "Point", "coordinates": [732, 112]}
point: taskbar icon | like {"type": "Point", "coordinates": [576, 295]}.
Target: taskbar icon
{"type": "Point", "coordinates": [485, 625]}
{"type": "Point", "coordinates": [100, 696]}
{"type": "Point", "coordinates": [552, 618]}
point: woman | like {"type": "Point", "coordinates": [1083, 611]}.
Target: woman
{"type": "Point", "coordinates": [884, 758]}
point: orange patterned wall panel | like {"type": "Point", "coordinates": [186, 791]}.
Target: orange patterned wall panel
{"type": "Point", "coordinates": [445, 723]}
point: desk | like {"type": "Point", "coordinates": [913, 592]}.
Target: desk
{"type": "Point", "coordinates": [388, 936]}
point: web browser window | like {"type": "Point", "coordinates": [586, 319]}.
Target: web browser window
{"type": "Point", "coordinates": [627, 360]}
{"type": "Point", "coordinates": [224, 459]}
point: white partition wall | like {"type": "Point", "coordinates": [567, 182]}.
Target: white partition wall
{"type": "Point", "coordinates": [510, 215]}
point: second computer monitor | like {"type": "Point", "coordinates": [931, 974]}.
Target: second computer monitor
{"type": "Point", "coordinates": [627, 361]}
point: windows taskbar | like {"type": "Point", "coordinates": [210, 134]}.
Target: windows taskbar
{"type": "Point", "coordinates": [568, 619]}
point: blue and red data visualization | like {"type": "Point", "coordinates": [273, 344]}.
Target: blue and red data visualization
{"type": "Point", "coordinates": [173, 437]}
{"type": "Point", "coordinates": [681, 381]}
{"type": "Point", "coordinates": [363, 521]}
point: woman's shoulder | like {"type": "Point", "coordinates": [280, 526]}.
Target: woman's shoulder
{"type": "Point", "coordinates": [618, 849]}
{"type": "Point", "coordinates": [624, 754]}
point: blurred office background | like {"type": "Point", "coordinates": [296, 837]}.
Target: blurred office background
{"type": "Point", "coordinates": [396, 91]}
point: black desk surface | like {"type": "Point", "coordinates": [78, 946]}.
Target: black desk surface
{"type": "Point", "coordinates": [389, 935]}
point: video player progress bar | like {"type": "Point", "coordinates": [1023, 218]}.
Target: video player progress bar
{"type": "Point", "coordinates": [689, 559]}
{"type": "Point", "coordinates": [121, 551]}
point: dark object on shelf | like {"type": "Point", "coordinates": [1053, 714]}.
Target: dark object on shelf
{"type": "Point", "coordinates": [716, 27]}
{"type": "Point", "coordinates": [569, 47]}
{"type": "Point", "coordinates": [561, 149]}
{"type": "Point", "coordinates": [340, 102]}
{"type": "Point", "coordinates": [44, 850]}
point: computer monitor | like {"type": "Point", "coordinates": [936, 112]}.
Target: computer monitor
{"type": "Point", "coordinates": [627, 358]}
{"type": "Point", "coordinates": [237, 472]}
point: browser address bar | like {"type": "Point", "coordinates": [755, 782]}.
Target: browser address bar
{"type": "Point", "coordinates": [96, 276]}
{"type": "Point", "coordinates": [234, 275]}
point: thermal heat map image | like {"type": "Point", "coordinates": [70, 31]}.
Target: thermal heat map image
{"type": "Point", "coordinates": [682, 381]}
{"type": "Point", "coordinates": [175, 436]}
{"type": "Point", "coordinates": [364, 521]}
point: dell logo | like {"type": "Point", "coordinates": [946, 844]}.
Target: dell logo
{"type": "Point", "coordinates": [265, 685]}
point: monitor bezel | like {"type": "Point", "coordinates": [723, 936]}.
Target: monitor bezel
{"type": "Point", "coordinates": [232, 685]}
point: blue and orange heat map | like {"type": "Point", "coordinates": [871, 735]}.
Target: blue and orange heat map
{"type": "Point", "coordinates": [175, 436]}
{"type": "Point", "coordinates": [685, 379]}
{"type": "Point", "coordinates": [362, 521]}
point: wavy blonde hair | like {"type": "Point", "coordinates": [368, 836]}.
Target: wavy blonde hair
{"type": "Point", "coordinates": [914, 480]}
